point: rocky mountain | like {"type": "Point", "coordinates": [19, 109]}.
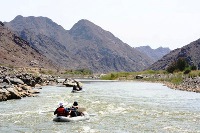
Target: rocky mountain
{"type": "Point", "coordinates": [85, 45]}
{"type": "Point", "coordinates": [103, 50]}
{"type": "Point", "coordinates": [154, 54]}
{"type": "Point", "coordinates": [15, 51]}
{"type": "Point", "coordinates": [190, 52]}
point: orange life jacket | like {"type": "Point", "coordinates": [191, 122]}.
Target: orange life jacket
{"type": "Point", "coordinates": [61, 111]}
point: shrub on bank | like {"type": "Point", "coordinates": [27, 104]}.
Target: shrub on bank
{"type": "Point", "coordinates": [118, 75]}
{"type": "Point", "coordinates": [176, 80]}
{"type": "Point", "coordinates": [194, 73]}
{"type": "Point", "coordinates": [181, 65]}
{"type": "Point", "coordinates": [153, 76]}
{"type": "Point", "coordinates": [79, 72]}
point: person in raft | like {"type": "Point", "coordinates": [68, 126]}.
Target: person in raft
{"type": "Point", "coordinates": [75, 105]}
{"type": "Point", "coordinates": [77, 87]}
{"type": "Point", "coordinates": [74, 110]}
{"type": "Point", "coordinates": [61, 111]}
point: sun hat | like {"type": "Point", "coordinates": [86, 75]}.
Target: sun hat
{"type": "Point", "coordinates": [75, 103]}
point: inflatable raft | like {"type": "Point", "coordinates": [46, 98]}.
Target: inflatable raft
{"type": "Point", "coordinates": [72, 119]}
{"type": "Point", "coordinates": [76, 91]}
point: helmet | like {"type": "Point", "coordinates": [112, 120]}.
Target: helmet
{"type": "Point", "coordinates": [60, 104]}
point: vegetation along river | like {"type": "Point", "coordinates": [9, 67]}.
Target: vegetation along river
{"type": "Point", "coordinates": [115, 107]}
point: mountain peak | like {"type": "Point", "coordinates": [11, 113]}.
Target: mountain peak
{"type": "Point", "coordinates": [83, 24]}
{"type": "Point", "coordinates": [155, 54]}
{"type": "Point", "coordinates": [18, 17]}
{"type": "Point", "coordinates": [38, 25]}
{"type": "Point", "coordinates": [33, 20]}
{"type": "Point", "coordinates": [85, 29]}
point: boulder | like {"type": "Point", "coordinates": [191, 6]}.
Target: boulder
{"type": "Point", "coordinates": [139, 77]}
{"type": "Point", "coordinates": [14, 93]}
{"type": "Point", "coordinates": [7, 80]}
{"type": "Point", "coordinates": [16, 81]}
{"type": "Point", "coordinates": [34, 91]}
{"type": "Point", "coordinates": [38, 80]}
{"type": "Point", "coordinates": [69, 82]}
{"type": "Point", "coordinates": [4, 94]}
{"type": "Point", "coordinates": [26, 87]}
{"type": "Point", "coordinates": [38, 85]}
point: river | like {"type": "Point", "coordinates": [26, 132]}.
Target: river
{"type": "Point", "coordinates": [115, 107]}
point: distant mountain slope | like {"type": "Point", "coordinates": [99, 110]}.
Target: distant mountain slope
{"type": "Point", "coordinates": [108, 51]}
{"type": "Point", "coordinates": [154, 54]}
{"type": "Point", "coordinates": [15, 51]}
{"type": "Point", "coordinates": [85, 45]}
{"type": "Point", "coordinates": [190, 52]}
{"type": "Point", "coordinates": [38, 25]}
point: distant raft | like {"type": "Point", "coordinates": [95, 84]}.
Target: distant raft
{"type": "Point", "coordinates": [72, 119]}
{"type": "Point", "coordinates": [77, 91]}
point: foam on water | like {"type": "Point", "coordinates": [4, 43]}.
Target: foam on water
{"type": "Point", "coordinates": [118, 107]}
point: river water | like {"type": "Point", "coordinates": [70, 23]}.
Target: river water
{"type": "Point", "coordinates": [115, 107]}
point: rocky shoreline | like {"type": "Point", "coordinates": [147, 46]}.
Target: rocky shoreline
{"type": "Point", "coordinates": [188, 84]}
{"type": "Point", "coordinates": [16, 85]}
{"type": "Point", "coordinates": [191, 84]}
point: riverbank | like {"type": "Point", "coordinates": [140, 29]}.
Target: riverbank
{"type": "Point", "coordinates": [16, 85]}
{"type": "Point", "coordinates": [173, 81]}
{"type": "Point", "coordinates": [188, 84]}
{"type": "Point", "coordinates": [178, 80]}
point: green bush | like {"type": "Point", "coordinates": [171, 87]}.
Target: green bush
{"type": "Point", "coordinates": [105, 77]}
{"type": "Point", "coordinates": [79, 72]}
{"type": "Point", "coordinates": [179, 65]}
{"type": "Point", "coordinates": [194, 73]}
{"type": "Point", "coordinates": [42, 71]}
{"type": "Point", "coordinates": [116, 75]}
{"type": "Point", "coordinates": [187, 71]}
{"type": "Point", "coordinates": [10, 66]}
{"type": "Point", "coordinates": [112, 76]}
{"type": "Point", "coordinates": [172, 68]}
{"type": "Point", "coordinates": [176, 80]}
{"type": "Point", "coordinates": [193, 67]}
{"type": "Point", "coordinates": [50, 72]}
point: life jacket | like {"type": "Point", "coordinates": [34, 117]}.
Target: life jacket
{"type": "Point", "coordinates": [75, 107]}
{"type": "Point", "coordinates": [61, 111]}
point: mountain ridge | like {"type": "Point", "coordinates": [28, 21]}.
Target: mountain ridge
{"type": "Point", "coordinates": [155, 54]}
{"type": "Point", "coordinates": [85, 45]}
{"type": "Point", "coordinates": [190, 52]}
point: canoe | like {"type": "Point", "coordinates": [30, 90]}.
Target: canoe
{"type": "Point", "coordinates": [75, 91]}
{"type": "Point", "coordinates": [72, 119]}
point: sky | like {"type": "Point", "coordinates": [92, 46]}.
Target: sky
{"type": "Point", "coordinates": [156, 23]}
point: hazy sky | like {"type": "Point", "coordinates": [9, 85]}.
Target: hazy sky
{"type": "Point", "coordinates": [166, 23]}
